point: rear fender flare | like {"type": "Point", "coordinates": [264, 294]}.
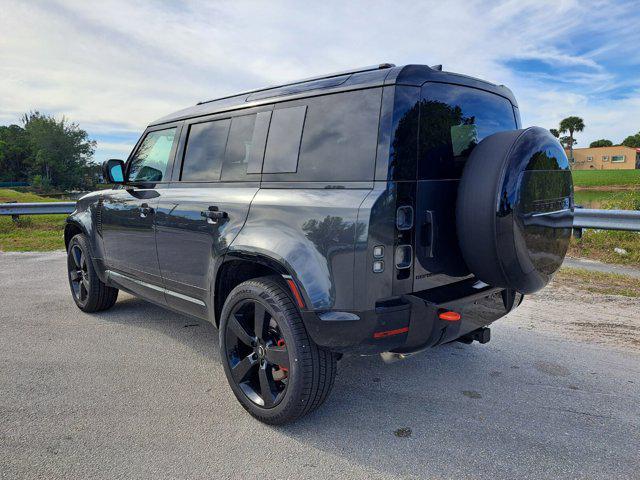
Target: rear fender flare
{"type": "Point", "coordinates": [270, 260]}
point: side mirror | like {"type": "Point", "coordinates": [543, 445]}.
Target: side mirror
{"type": "Point", "coordinates": [113, 171]}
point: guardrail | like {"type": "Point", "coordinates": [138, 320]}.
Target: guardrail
{"type": "Point", "coordinates": [606, 219]}
{"type": "Point", "coordinates": [44, 208]}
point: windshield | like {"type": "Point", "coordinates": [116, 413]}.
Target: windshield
{"type": "Point", "coordinates": [453, 120]}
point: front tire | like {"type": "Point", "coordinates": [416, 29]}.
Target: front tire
{"type": "Point", "coordinates": [275, 370]}
{"type": "Point", "coordinates": [89, 293]}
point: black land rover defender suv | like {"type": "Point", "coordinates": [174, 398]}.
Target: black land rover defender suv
{"type": "Point", "coordinates": [385, 209]}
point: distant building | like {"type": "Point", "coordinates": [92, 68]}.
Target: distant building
{"type": "Point", "coordinates": [605, 158]}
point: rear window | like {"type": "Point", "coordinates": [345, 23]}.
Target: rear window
{"type": "Point", "coordinates": [453, 120]}
{"type": "Point", "coordinates": [205, 151]}
{"type": "Point", "coordinates": [228, 150]}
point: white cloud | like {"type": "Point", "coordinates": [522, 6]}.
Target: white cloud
{"type": "Point", "coordinates": [121, 148]}
{"type": "Point", "coordinates": [114, 66]}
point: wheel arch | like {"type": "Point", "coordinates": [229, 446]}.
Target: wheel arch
{"type": "Point", "coordinates": [239, 266]}
{"type": "Point", "coordinates": [80, 223]}
{"type": "Point", "coordinates": [71, 229]}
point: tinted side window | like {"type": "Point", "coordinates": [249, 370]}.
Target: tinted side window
{"type": "Point", "coordinates": [339, 138]}
{"type": "Point", "coordinates": [149, 163]}
{"type": "Point", "coordinates": [453, 120]}
{"type": "Point", "coordinates": [283, 145]}
{"type": "Point", "coordinates": [245, 146]}
{"type": "Point", "coordinates": [204, 153]}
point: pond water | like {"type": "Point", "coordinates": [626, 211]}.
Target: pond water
{"type": "Point", "coordinates": [600, 198]}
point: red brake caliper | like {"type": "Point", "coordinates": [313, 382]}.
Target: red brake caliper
{"type": "Point", "coordinates": [280, 343]}
{"type": "Point", "coordinates": [284, 370]}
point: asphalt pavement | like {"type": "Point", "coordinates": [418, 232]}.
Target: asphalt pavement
{"type": "Point", "coordinates": [139, 392]}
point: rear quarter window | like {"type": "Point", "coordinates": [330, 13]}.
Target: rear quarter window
{"type": "Point", "coordinates": [453, 120]}
{"type": "Point", "coordinates": [339, 138]}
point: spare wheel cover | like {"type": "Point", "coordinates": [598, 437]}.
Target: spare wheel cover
{"type": "Point", "coordinates": [514, 210]}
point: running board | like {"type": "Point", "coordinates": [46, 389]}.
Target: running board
{"type": "Point", "coordinates": [115, 275]}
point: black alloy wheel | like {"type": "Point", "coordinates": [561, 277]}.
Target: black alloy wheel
{"type": "Point", "coordinates": [257, 353]}
{"type": "Point", "coordinates": [273, 366]}
{"type": "Point", "coordinates": [89, 293]}
{"type": "Point", "coordinates": [78, 274]}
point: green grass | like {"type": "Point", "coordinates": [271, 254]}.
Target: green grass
{"type": "Point", "coordinates": [606, 178]}
{"type": "Point", "coordinates": [601, 245]}
{"type": "Point", "coordinates": [32, 232]}
{"type": "Point", "coordinates": [8, 195]}
{"type": "Point", "coordinates": [598, 282]}
{"type": "Point", "coordinates": [604, 198]}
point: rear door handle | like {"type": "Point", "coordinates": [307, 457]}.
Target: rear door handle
{"type": "Point", "coordinates": [428, 234]}
{"type": "Point", "coordinates": [145, 210]}
{"type": "Point", "coordinates": [213, 215]}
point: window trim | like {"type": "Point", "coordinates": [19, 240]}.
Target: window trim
{"type": "Point", "coordinates": [624, 158]}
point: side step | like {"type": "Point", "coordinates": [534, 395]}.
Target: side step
{"type": "Point", "coordinates": [481, 335]}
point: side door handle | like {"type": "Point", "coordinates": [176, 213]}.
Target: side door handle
{"type": "Point", "coordinates": [145, 210]}
{"type": "Point", "coordinates": [213, 215]}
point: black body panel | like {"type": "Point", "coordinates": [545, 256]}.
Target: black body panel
{"type": "Point", "coordinates": [330, 225]}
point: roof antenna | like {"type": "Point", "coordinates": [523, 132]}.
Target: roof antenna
{"type": "Point", "coordinates": [437, 67]}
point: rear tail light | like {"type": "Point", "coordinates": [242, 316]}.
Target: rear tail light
{"type": "Point", "coordinates": [403, 256]}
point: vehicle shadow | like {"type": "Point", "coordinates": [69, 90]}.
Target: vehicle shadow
{"type": "Point", "coordinates": [199, 335]}
{"type": "Point", "coordinates": [456, 410]}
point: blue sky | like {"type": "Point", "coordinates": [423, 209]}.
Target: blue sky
{"type": "Point", "coordinates": [115, 66]}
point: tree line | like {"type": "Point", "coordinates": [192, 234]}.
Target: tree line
{"type": "Point", "coordinates": [570, 125]}
{"type": "Point", "coordinates": [47, 153]}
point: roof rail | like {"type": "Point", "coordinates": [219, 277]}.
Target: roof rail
{"type": "Point", "coordinates": [380, 66]}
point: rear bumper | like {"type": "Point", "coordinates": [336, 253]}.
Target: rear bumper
{"type": "Point", "coordinates": [411, 322]}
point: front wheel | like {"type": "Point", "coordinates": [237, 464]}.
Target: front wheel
{"type": "Point", "coordinates": [89, 293]}
{"type": "Point", "coordinates": [274, 369]}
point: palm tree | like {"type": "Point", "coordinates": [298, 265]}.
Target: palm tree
{"type": "Point", "coordinates": [571, 124]}
{"type": "Point", "coordinates": [555, 132]}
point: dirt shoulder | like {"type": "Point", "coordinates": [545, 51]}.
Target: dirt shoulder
{"type": "Point", "coordinates": [585, 309]}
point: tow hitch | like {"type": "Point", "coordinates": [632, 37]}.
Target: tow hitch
{"type": "Point", "coordinates": [481, 335]}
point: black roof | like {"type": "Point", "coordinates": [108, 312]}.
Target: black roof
{"type": "Point", "coordinates": [378, 75]}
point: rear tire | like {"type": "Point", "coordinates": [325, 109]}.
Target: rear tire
{"type": "Point", "coordinates": [299, 379]}
{"type": "Point", "coordinates": [87, 290]}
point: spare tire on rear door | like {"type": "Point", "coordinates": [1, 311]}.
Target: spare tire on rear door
{"type": "Point", "coordinates": [514, 210]}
